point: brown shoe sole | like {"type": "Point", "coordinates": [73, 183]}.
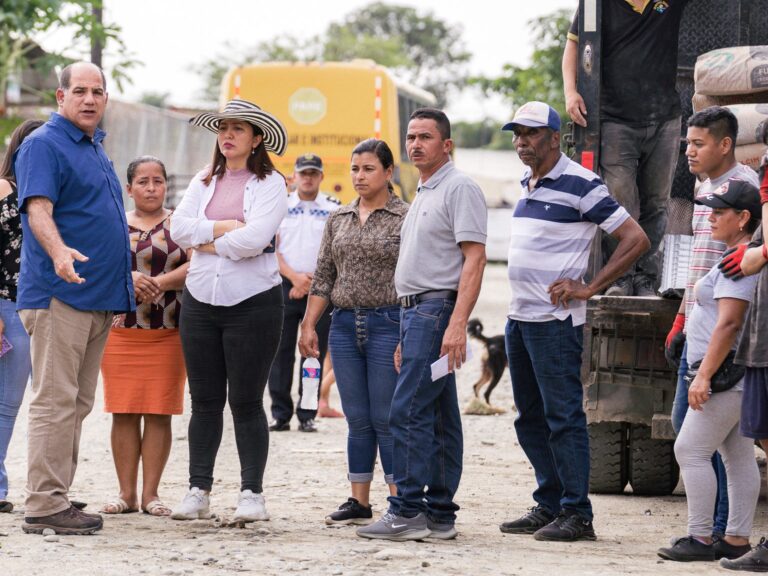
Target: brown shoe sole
{"type": "Point", "coordinates": [64, 531]}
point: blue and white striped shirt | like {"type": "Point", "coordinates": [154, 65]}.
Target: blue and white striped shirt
{"type": "Point", "coordinates": [552, 231]}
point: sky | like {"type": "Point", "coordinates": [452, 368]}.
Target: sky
{"type": "Point", "coordinates": [170, 37]}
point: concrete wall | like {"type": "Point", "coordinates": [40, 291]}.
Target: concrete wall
{"type": "Point", "coordinates": [137, 129]}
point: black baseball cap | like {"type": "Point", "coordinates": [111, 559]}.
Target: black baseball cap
{"type": "Point", "coordinates": [736, 194]}
{"type": "Point", "coordinates": [309, 162]}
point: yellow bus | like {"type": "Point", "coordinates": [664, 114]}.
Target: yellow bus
{"type": "Point", "coordinates": [327, 108]}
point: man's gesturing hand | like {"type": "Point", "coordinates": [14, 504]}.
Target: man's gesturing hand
{"type": "Point", "coordinates": [64, 264]}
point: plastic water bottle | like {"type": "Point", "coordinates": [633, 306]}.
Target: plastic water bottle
{"type": "Point", "coordinates": [310, 383]}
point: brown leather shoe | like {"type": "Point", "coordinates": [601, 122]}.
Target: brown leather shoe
{"type": "Point", "coordinates": [68, 522]}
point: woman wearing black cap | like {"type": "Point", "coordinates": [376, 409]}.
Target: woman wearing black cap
{"type": "Point", "coordinates": [715, 391]}
{"type": "Point", "coordinates": [232, 308]}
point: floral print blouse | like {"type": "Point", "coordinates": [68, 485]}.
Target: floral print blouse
{"type": "Point", "coordinates": [10, 245]}
{"type": "Point", "coordinates": [356, 264]}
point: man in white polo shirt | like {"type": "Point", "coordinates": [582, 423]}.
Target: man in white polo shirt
{"type": "Point", "coordinates": [297, 246]}
{"type": "Point", "coordinates": [561, 207]}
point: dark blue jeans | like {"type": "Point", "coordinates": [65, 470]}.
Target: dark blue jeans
{"type": "Point", "coordinates": [425, 419]}
{"type": "Point", "coordinates": [363, 343]}
{"type": "Point", "coordinates": [679, 409]}
{"type": "Point", "coordinates": [545, 365]}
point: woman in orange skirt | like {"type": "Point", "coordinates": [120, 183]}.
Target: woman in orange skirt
{"type": "Point", "coordinates": [143, 367]}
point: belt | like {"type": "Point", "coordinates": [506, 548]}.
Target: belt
{"type": "Point", "coordinates": [412, 300]}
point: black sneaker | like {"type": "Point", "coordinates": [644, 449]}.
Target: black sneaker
{"type": "Point", "coordinates": [688, 549]}
{"type": "Point", "coordinates": [536, 518]}
{"type": "Point", "coordinates": [754, 561]}
{"type": "Point", "coordinates": [307, 426]}
{"type": "Point", "coordinates": [567, 527]}
{"type": "Point", "coordinates": [724, 550]}
{"type": "Point", "coordinates": [351, 512]}
{"type": "Point", "coordinates": [621, 287]}
{"type": "Point", "coordinates": [643, 286]}
{"type": "Point", "coordinates": [278, 425]}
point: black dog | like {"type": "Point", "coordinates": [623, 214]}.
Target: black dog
{"type": "Point", "coordinates": [494, 360]}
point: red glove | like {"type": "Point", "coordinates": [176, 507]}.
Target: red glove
{"type": "Point", "coordinates": [731, 262]}
{"type": "Point", "coordinates": [673, 346]}
{"type": "Point", "coordinates": [764, 187]}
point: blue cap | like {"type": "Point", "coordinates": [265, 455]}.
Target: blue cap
{"type": "Point", "coordinates": [535, 115]}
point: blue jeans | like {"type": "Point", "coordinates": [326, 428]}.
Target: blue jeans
{"type": "Point", "coordinates": [363, 343]}
{"type": "Point", "coordinates": [545, 365]}
{"type": "Point", "coordinates": [679, 410]}
{"type": "Point", "coordinates": [15, 368]}
{"type": "Point", "coordinates": [425, 419]}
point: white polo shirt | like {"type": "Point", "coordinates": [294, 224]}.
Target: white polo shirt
{"type": "Point", "coordinates": [302, 230]}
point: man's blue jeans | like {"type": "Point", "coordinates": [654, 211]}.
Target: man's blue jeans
{"type": "Point", "coordinates": [679, 409]}
{"type": "Point", "coordinates": [545, 365]}
{"type": "Point", "coordinates": [425, 420]}
{"type": "Point", "coordinates": [364, 342]}
{"type": "Point", "coordinates": [15, 368]}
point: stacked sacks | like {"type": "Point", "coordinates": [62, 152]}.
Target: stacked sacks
{"type": "Point", "coordinates": [738, 79]}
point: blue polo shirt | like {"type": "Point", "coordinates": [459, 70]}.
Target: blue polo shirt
{"type": "Point", "coordinates": [60, 162]}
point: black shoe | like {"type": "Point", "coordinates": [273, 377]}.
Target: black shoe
{"type": "Point", "coordinates": [724, 550]}
{"type": "Point", "coordinates": [278, 425]}
{"type": "Point", "coordinates": [754, 561]}
{"type": "Point", "coordinates": [567, 527]}
{"type": "Point", "coordinates": [69, 522]}
{"type": "Point", "coordinates": [643, 286]}
{"type": "Point", "coordinates": [6, 507]}
{"type": "Point", "coordinates": [688, 549]}
{"type": "Point", "coordinates": [78, 504]}
{"type": "Point", "coordinates": [307, 426]}
{"type": "Point", "coordinates": [351, 512]}
{"type": "Point", "coordinates": [536, 518]}
{"type": "Point", "coordinates": [621, 287]}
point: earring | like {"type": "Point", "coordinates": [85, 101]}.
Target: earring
{"type": "Point", "coordinates": [253, 151]}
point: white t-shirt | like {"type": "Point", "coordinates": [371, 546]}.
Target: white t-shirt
{"type": "Point", "coordinates": [302, 230]}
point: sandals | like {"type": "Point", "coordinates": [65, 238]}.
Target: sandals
{"type": "Point", "coordinates": [117, 506]}
{"type": "Point", "coordinates": [157, 508]}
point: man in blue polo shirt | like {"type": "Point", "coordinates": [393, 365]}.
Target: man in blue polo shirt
{"type": "Point", "coordinates": [561, 207]}
{"type": "Point", "coordinates": [75, 271]}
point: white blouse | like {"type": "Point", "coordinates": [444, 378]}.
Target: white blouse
{"type": "Point", "coordinates": [240, 268]}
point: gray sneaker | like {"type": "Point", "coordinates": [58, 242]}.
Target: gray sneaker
{"type": "Point", "coordinates": [397, 528]}
{"type": "Point", "coordinates": [441, 530]}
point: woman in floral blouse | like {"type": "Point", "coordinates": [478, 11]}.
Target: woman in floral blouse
{"type": "Point", "coordinates": [355, 271]}
{"type": "Point", "coordinates": [15, 364]}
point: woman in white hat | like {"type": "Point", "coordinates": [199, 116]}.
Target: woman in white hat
{"type": "Point", "coordinates": [232, 308]}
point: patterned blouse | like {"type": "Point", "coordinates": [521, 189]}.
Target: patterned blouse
{"type": "Point", "coordinates": [356, 265]}
{"type": "Point", "coordinates": [154, 253]}
{"type": "Point", "coordinates": [10, 245]}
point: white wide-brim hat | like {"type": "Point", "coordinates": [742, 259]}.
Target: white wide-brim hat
{"type": "Point", "coordinates": [275, 137]}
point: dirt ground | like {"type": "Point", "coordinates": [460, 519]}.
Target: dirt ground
{"type": "Point", "coordinates": [306, 479]}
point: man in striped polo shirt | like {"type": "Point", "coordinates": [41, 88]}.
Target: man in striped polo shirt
{"type": "Point", "coordinates": [561, 207]}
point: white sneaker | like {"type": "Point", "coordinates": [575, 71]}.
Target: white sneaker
{"type": "Point", "coordinates": [250, 507]}
{"type": "Point", "coordinates": [195, 505]}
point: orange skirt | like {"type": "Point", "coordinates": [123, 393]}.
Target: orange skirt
{"type": "Point", "coordinates": [143, 372]}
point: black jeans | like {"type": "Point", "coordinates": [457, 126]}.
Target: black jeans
{"type": "Point", "coordinates": [281, 376]}
{"type": "Point", "coordinates": [229, 350]}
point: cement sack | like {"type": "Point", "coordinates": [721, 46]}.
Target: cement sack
{"type": "Point", "coordinates": [751, 154]}
{"type": "Point", "coordinates": [700, 101]}
{"type": "Point", "coordinates": [736, 70]}
{"type": "Point", "coordinates": [752, 122]}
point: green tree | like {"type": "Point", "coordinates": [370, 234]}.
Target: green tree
{"type": "Point", "coordinates": [157, 99]}
{"type": "Point", "coordinates": [419, 47]}
{"type": "Point", "coordinates": [542, 79]}
{"type": "Point", "coordinates": [22, 21]}
{"type": "Point", "coordinates": [280, 49]}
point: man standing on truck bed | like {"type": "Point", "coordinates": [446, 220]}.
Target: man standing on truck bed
{"type": "Point", "coordinates": [639, 119]}
{"type": "Point", "coordinates": [561, 206]}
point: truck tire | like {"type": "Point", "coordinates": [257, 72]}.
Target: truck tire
{"type": "Point", "coordinates": [607, 458]}
{"type": "Point", "coordinates": [653, 470]}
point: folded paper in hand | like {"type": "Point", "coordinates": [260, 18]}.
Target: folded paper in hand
{"type": "Point", "coordinates": [440, 366]}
